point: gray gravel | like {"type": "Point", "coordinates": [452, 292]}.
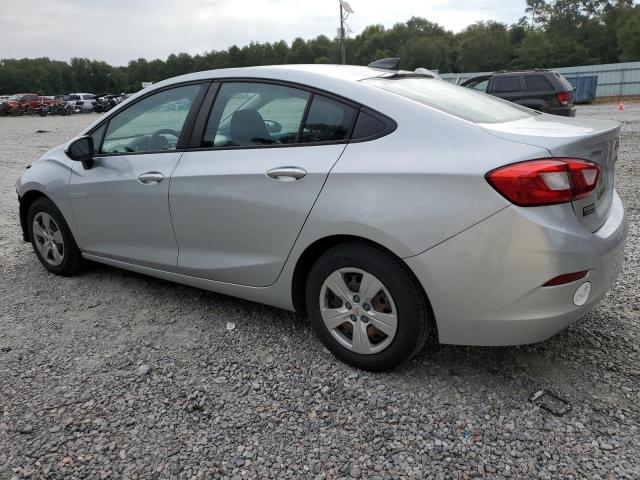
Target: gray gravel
{"type": "Point", "coordinates": [113, 374]}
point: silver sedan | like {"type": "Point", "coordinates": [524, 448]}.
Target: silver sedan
{"type": "Point", "coordinates": [388, 206]}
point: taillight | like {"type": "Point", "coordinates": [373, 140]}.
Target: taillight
{"type": "Point", "coordinates": [564, 97]}
{"type": "Point", "coordinates": [545, 182]}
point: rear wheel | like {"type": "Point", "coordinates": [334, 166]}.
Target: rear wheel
{"type": "Point", "coordinates": [52, 240]}
{"type": "Point", "coordinates": [366, 307]}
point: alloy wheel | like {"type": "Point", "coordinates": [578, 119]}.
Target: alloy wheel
{"type": "Point", "coordinates": [358, 311]}
{"type": "Point", "coordinates": [48, 238]}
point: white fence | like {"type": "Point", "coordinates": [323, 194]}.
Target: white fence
{"type": "Point", "coordinates": [614, 79]}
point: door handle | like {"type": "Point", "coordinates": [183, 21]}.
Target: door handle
{"type": "Point", "coordinates": [150, 178]}
{"type": "Point", "coordinates": [287, 174]}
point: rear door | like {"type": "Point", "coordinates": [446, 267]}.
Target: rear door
{"type": "Point", "coordinates": [509, 87]}
{"type": "Point", "coordinates": [240, 198]}
{"type": "Point", "coordinates": [540, 92]}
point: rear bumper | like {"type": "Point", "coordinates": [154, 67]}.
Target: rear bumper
{"type": "Point", "coordinates": [563, 111]}
{"type": "Point", "coordinates": [485, 284]}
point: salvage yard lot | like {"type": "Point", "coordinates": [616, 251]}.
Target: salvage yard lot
{"type": "Point", "coordinates": [113, 374]}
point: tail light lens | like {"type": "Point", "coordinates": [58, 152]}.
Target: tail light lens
{"type": "Point", "coordinates": [545, 182]}
{"type": "Point", "coordinates": [564, 97]}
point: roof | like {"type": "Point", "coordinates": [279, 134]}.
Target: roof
{"type": "Point", "coordinates": [333, 78]}
{"type": "Point", "coordinates": [284, 72]}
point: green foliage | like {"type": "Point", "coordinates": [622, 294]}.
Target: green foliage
{"type": "Point", "coordinates": [629, 38]}
{"type": "Point", "coordinates": [554, 33]}
{"type": "Point", "coordinates": [484, 46]}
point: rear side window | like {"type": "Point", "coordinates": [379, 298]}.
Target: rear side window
{"type": "Point", "coordinates": [537, 83]}
{"type": "Point", "coordinates": [506, 84]}
{"type": "Point", "coordinates": [327, 121]}
{"type": "Point", "coordinates": [255, 114]}
{"type": "Point", "coordinates": [458, 101]}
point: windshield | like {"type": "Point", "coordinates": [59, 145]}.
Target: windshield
{"type": "Point", "coordinates": [15, 97]}
{"type": "Point", "coordinates": [459, 101]}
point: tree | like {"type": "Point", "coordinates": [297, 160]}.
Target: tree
{"type": "Point", "coordinates": [556, 33]}
{"type": "Point", "coordinates": [534, 51]}
{"type": "Point", "coordinates": [629, 38]}
{"type": "Point", "coordinates": [300, 52]}
{"type": "Point", "coordinates": [484, 46]}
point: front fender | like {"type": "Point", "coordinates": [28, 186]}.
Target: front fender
{"type": "Point", "coordinates": [49, 176]}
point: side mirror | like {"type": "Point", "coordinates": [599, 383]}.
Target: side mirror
{"type": "Point", "coordinates": [81, 150]}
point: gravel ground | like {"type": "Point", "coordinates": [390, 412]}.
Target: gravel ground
{"type": "Point", "coordinates": [113, 374]}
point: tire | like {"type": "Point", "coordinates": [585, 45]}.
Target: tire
{"type": "Point", "coordinates": [398, 295]}
{"type": "Point", "coordinates": [16, 112]}
{"type": "Point", "coordinates": [68, 260]}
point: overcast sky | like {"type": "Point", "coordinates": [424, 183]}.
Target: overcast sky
{"type": "Point", "coordinates": [120, 30]}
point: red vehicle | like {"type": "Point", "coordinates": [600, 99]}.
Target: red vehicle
{"type": "Point", "coordinates": [22, 103]}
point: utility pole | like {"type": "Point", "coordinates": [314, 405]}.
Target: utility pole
{"type": "Point", "coordinates": [345, 10]}
{"type": "Point", "coordinates": [344, 53]}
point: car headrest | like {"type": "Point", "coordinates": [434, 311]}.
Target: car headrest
{"type": "Point", "coordinates": [248, 128]}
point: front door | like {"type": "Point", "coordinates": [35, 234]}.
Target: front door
{"type": "Point", "coordinates": [239, 202]}
{"type": "Point", "coordinates": [121, 204]}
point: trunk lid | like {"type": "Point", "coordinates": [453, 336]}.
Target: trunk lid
{"type": "Point", "coordinates": [594, 140]}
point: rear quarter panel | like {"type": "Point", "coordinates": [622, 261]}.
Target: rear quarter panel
{"type": "Point", "coordinates": [416, 187]}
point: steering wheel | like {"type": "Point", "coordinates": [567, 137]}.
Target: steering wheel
{"type": "Point", "coordinates": [158, 142]}
{"type": "Point", "coordinates": [273, 126]}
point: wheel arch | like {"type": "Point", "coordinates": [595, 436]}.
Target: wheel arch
{"type": "Point", "coordinates": [316, 249]}
{"type": "Point", "coordinates": [26, 200]}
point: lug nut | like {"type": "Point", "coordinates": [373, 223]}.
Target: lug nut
{"type": "Point", "coordinates": [354, 318]}
{"type": "Point", "coordinates": [356, 298]}
{"type": "Point", "coordinates": [348, 306]}
{"type": "Point", "coordinates": [364, 319]}
{"type": "Point", "coordinates": [366, 307]}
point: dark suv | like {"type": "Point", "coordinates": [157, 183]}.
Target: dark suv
{"type": "Point", "coordinates": [541, 90]}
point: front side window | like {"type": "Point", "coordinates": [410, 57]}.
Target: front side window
{"type": "Point", "coordinates": [481, 86]}
{"type": "Point", "coordinates": [255, 114]}
{"type": "Point", "coordinates": [458, 101]}
{"type": "Point", "coordinates": [152, 124]}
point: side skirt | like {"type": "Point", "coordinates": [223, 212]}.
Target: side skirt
{"type": "Point", "coordinates": [265, 295]}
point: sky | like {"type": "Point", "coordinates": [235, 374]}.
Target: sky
{"type": "Point", "coordinates": [117, 31]}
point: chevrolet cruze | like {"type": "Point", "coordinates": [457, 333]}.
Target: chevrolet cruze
{"type": "Point", "coordinates": [388, 206]}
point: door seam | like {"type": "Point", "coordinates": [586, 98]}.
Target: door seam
{"type": "Point", "coordinates": [293, 245]}
{"type": "Point", "coordinates": [175, 237]}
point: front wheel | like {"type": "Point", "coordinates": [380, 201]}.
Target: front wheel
{"type": "Point", "coordinates": [52, 240]}
{"type": "Point", "coordinates": [366, 307]}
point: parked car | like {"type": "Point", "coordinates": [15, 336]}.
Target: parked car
{"type": "Point", "coordinates": [84, 101]}
{"type": "Point", "coordinates": [54, 105]}
{"type": "Point", "coordinates": [389, 206]}
{"type": "Point", "coordinates": [106, 102]}
{"type": "Point", "coordinates": [22, 103]}
{"type": "Point", "coordinates": [3, 100]}
{"type": "Point", "coordinates": [541, 90]}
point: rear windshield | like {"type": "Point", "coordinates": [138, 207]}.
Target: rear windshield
{"type": "Point", "coordinates": [462, 102]}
